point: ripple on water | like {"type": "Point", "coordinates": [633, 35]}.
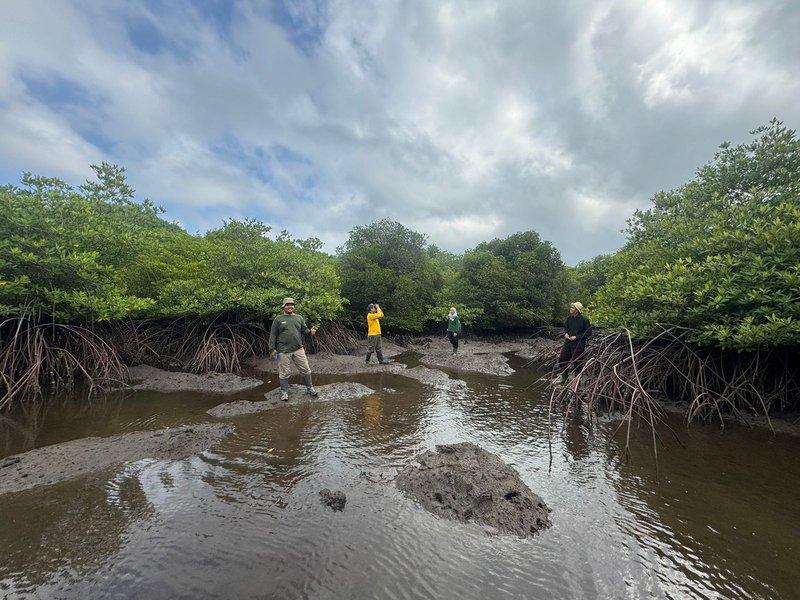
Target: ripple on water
{"type": "Point", "coordinates": [246, 520]}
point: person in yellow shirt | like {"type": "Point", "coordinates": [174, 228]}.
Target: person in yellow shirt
{"type": "Point", "coordinates": [374, 332]}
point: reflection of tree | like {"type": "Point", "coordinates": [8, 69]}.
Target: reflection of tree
{"type": "Point", "coordinates": [718, 512]}
{"type": "Point", "coordinates": [65, 530]}
{"type": "Point", "coordinates": [35, 424]}
{"type": "Point", "coordinates": [19, 429]}
{"type": "Point", "coordinates": [306, 440]}
{"type": "Point", "coordinates": [576, 436]}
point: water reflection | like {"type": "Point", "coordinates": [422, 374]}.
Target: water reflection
{"type": "Point", "coordinates": [33, 425]}
{"type": "Point", "coordinates": [62, 532]}
{"type": "Point", "coordinates": [708, 516]}
{"type": "Point", "coordinates": [718, 519]}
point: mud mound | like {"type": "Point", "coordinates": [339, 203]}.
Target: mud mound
{"type": "Point", "coordinates": [297, 395]}
{"type": "Point", "coordinates": [145, 377]}
{"type": "Point", "coordinates": [542, 351]}
{"type": "Point", "coordinates": [433, 377]}
{"type": "Point", "coordinates": [334, 500]}
{"type": "Point", "coordinates": [68, 460]}
{"type": "Point", "coordinates": [466, 483]}
{"type": "Point", "coordinates": [490, 363]}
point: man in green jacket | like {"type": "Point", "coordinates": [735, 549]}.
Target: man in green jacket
{"type": "Point", "coordinates": [286, 343]}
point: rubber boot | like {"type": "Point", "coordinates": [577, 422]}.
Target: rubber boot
{"type": "Point", "coordinates": [310, 386]}
{"type": "Point", "coordinates": [369, 355]}
{"type": "Point", "coordinates": [380, 358]}
{"type": "Point", "coordinates": [284, 389]}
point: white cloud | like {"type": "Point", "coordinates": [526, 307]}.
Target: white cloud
{"type": "Point", "coordinates": [465, 119]}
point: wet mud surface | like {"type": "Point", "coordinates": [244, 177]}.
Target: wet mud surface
{"type": "Point", "coordinates": [341, 364]}
{"type": "Point", "coordinates": [433, 377]}
{"type": "Point", "coordinates": [297, 395]}
{"type": "Point", "coordinates": [333, 500]}
{"type": "Point", "coordinates": [144, 377]}
{"type": "Point", "coordinates": [474, 356]}
{"type": "Point", "coordinates": [543, 351]}
{"type": "Point", "coordinates": [468, 484]}
{"type": "Point", "coordinates": [270, 494]}
{"type": "Point", "coordinates": [69, 460]}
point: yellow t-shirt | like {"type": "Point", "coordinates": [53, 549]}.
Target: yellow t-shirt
{"type": "Point", "coordinates": [373, 323]}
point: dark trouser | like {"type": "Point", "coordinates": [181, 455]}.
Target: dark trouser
{"type": "Point", "coordinates": [453, 337]}
{"type": "Point", "coordinates": [375, 344]}
{"type": "Point", "coordinates": [571, 356]}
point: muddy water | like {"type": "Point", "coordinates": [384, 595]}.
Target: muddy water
{"type": "Point", "coordinates": [716, 518]}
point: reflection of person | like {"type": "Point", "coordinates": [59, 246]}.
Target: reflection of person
{"type": "Point", "coordinates": [285, 338]}
{"type": "Point", "coordinates": [577, 330]}
{"type": "Point", "coordinates": [453, 329]}
{"type": "Point", "coordinates": [374, 332]}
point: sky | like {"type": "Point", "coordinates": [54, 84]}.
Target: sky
{"type": "Point", "coordinates": [463, 120]}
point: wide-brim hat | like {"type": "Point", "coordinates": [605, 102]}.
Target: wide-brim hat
{"type": "Point", "coordinates": [578, 306]}
{"type": "Point", "coordinates": [288, 301]}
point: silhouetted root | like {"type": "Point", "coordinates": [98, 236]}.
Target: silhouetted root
{"type": "Point", "coordinates": [635, 378]}
{"type": "Point", "coordinates": [333, 337]}
{"type": "Point", "coordinates": [190, 345]}
{"type": "Point", "coordinates": [37, 359]}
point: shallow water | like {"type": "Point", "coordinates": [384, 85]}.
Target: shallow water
{"type": "Point", "coordinates": [716, 518]}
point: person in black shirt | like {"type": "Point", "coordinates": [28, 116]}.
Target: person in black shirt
{"type": "Point", "coordinates": [577, 330]}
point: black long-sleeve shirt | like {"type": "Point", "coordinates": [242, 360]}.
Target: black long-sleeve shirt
{"type": "Point", "coordinates": [579, 326]}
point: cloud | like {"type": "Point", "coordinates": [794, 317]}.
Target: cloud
{"type": "Point", "coordinates": [464, 120]}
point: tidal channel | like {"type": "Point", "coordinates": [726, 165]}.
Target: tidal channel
{"type": "Point", "coordinates": [716, 515]}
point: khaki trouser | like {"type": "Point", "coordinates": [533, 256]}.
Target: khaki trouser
{"type": "Point", "coordinates": [298, 357]}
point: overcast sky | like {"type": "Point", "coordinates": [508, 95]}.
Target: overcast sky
{"type": "Point", "coordinates": [463, 120]}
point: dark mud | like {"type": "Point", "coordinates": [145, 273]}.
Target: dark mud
{"type": "Point", "coordinates": [144, 377]}
{"type": "Point", "coordinates": [341, 364]}
{"type": "Point", "coordinates": [297, 395]}
{"type": "Point", "coordinates": [434, 377]}
{"type": "Point", "coordinates": [476, 356]}
{"type": "Point", "coordinates": [334, 500]}
{"type": "Point", "coordinates": [60, 462]}
{"type": "Point", "coordinates": [542, 351]}
{"type": "Point", "coordinates": [468, 484]}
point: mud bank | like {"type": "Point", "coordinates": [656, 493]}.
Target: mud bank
{"type": "Point", "coordinates": [297, 395]}
{"type": "Point", "coordinates": [480, 357]}
{"type": "Point", "coordinates": [340, 364]}
{"type": "Point", "coordinates": [468, 484]}
{"type": "Point", "coordinates": [60, 462]}
{"type": "Point", "coordinates": [439, 345]}
{"type": "Point", "coordinates": [144, 377]}
{"type": "Point", "coordinates": [541, 351]}
{"type": "Point", "coordinates": [434, 377]}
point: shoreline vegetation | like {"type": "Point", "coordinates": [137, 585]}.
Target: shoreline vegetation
{"type": "Point", "coordinates": [638, 379]}
{"type": "Point", "coordinates": [605, 365]}
{"type": "Point", "coordinates": [699, 308]}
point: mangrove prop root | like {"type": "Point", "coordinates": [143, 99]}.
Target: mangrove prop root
{"type": "Point", "coordinates": [37, 358]}
{"type": "Point", "coordinates": [633, 377]}
{"type": "Point", "coordinates": [620, 374]}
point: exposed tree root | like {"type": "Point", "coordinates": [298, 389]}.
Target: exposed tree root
{"type": "Point", "coordinates": [37, 359]}
{"type": "Point", "coordinates": [635, 378]}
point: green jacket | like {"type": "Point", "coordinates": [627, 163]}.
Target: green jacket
{"type": "Point", "coordinates": [453, 325]}
{"type": "Point", "coordinates": [285, 335]}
